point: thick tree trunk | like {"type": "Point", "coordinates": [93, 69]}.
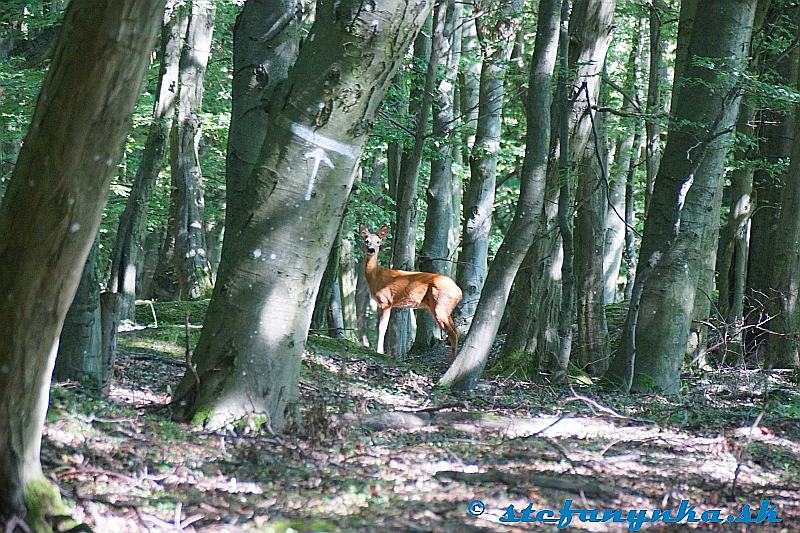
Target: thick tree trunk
{"type": "Point", "coordinates": [683, 204]}
{"type": "Point", "coordinates": [590, 240]}
{"type": "Point", "coordinates": [782, 342]}
{"type": "Point", "coordinates": [479, 195]}
{"type": "Point", "coordinates": [152, 246]}
{"type": "Point", "coordinates": [127, 257]}
{"type": "Point", "coordinates": [248, 356]}
{"type": "Point", "coordinates": [400, 334]}
{"type": "Point", "coordinates": [266, 41]}
{"type": "Point", "coordinates": [73, 144]}
{"type": "Point", "coordinates": [191, 258]}
{"type": "Point", "coordinates": [465, 372]}
{"type": "Point", "coordinates": [165, 284]}
{"type": "Point", "coordinates": [79, 357]}
{"type": "Point", "coordinates": [436, 253]}
{"type": "Point", "coordinates": [590, 29]}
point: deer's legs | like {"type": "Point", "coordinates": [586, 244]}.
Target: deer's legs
{"type": "Point", "coordinates": [383, 323]}
{"type": "Point", "coordinates": [441, 314]}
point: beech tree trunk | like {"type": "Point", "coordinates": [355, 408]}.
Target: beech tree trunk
{"type": "Point", "coordinates": [465, 372]}
{"type": "Point", "coordinates": [683, 204]}
{"type": "Point", "coordinates": [127, 256]}
{"type": "Point", "coordinates": [191, 256]}
{"type": "Point", "coordinates": [657, 78]}
{"type": "Point", "coordinates": [400, 334]}
{"type": "Point", "coordinates": [478, 204]}
{"type": "Point", "coordinates": [266, 40]}
{"type": "Point", "coordinates": [73, 144]}
{"type": "Point", "coordinates": [436, 253]}
{"type": "Point", "coordinates": [248, 356]}
{"type": "Point", "coordinates": [79, 355]}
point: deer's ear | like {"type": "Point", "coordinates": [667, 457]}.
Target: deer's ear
{"type": "Point", "coordinates": [383, 231]}
{"type": "Point", "coordinates": [362, 229]}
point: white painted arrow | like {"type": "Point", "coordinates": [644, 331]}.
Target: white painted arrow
{"type": "Point", "coordinates": [319, 156]}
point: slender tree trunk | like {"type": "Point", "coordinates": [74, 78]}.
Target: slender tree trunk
{"type": "Point", "coordinates": [363, 298]}
{"type": "Point", "coordinates": [347, 288]}
{"type": "Point", "coordinates": [657, 78]}
{"type": "Point", "coordinates": [436, 253]}
{"type": "Point", "coordinates": [479, 195]}
{"type": "Point", "coordinates": [629, 254]}
{"type": "Point", "coordinates": [400, 334]}
{"type": "Point", "coordinates": [248, 356]}
{"type": "Point", "coordinates": [191, 266]}
{"type": "Point", "coordinates": [624, 153]}
{"type": "Point", "coordinates": [590, 29]}
{"type": "Point", "coordinates": [466, 370]}
{"type": "Point", "coordinates": [126, 257]}
{"type": "Point", "coordinates": [152, 246]}
{"type": "Point", "coordinates": [469, 81]}
{"type": "Point", "coordinates": [165, 285]}
{"type": "Point", "coordinates": [79, 356]}
{"type": "Point", "coordinates": [683, 203]}
{"type": "Point", "coordinates": [73, 144]}
{"type": "Point", "coordinates": [321, 315]}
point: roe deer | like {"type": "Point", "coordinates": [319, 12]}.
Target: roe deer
{"type": "Point", "coordinates": [398, 288]}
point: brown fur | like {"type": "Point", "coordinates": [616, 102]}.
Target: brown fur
{"type": "Point", "coordinates": [417, 290]}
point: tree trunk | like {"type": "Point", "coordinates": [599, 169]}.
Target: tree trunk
{"type": "Point", "coordinates": [347, 288]}
{"type": "Point", "coordinates": [320, 316]}
{"type": "Point", "coordinates": [626, 147]}
{"type": "Point", "coordinates": [126, 257]}
{"type": "Point", "coordinates": [249, 353]}
{"type": "Point", "coordinates": [479, 196]}
{"type": "Point", "coordinates": [79, 356]}
{"type": "Point", "coordinates": [165, 285]}
{"type": "Point", "coordinates": [469, 81]}
{"type": "Point", "coordinates": [782, 342]}
{"type": "Point", "coordinates": [683, 204]}
{"type": "Point", "coordinates": [73, 144]}
{"type": "Point", "coordinates": [657, 78]}
{"type": "Point", "coordinates": [191, 258]}
{"type": "Point", "coordinates": [590, 240]}
{"type": "Point", "coordinates": [266, 40]}
{"type": "Point", "coordinates": [465, 372]}
{"type": "Point", "coordinates": [629, 254]}
{"type": "Point", "coordinates": [152, 246]}
{"type": "Point", "coordinates": [400, 334]}
{"type": "Point", "coordinates": [592, 23]}
{"type": "Point", "coordinates": [436, 253]}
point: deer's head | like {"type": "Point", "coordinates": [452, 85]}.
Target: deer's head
{"type": "Point", "coordinates": [373, 240]}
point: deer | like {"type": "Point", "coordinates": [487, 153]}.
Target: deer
{"type": "Point", "coordinates": [390, 288]}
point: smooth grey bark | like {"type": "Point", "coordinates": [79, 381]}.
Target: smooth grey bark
{"type": "Point", "coordinates": [266, 41]}
{"type": "Point", "coordinates": [347, 288]}
{"type": "Point", "coordinates": [469, 81]}
{"type": "Point", "coordinates": [782, 343]}
{"type": "Point", "coordinates": [126, 257]}
{"type": "Point", "coordinates": [683, 203]}
{"type": "Point", "coordinates": [686, 17]}
{"type": "Point", "coordinates": [402, 326]}
{"type": "Point", "coordinates": [657, 78]}
{"type": "Point", "coordinates": [191, 257]}
{"type": "Point", "coordinates": [465, 372]}
{"type": "Point", "coordinates": [629, 252]}
{"type": "Point", "coordinates": [248, 356]}
{"type": "Point", "coordinates": [152, 246]}
{"type": "Point", "coordinates": [623, 155]}
{"type": "Point", "coordinates": [165, 284]}
{"type": "Point", "coordinates": [478, 204]}
{"type": "Point", "coordinates": [590, 30]}
{"type": "Point", "coordinates": [72, 146]}
{"type": "Point", "coordinates": [79, 357]}
{"type": "Point", "coordinates": [590, 240]}
{"type": "Point", "coordinates": [436, 254]}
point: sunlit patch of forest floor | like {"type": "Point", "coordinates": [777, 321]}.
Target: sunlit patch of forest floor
{"type": "Point", "coordinates": [379, 449]}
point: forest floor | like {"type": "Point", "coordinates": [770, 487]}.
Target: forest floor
{"type": "Point", "coordinates": [380, 449]}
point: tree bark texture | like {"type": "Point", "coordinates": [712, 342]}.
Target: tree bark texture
{"type": "Point", "coordinates": [79, 357]}
{"type": "Point", "coordinates": [127, 256]}
{"type": "Point", "coordinates": [191, 257]}
{"type": "Point", "coordinates": [248, 357]}
{"type": "Point", "coordinates": [478, 205]}
{"type": "Point", "coordinates": [52, 207]}
{"type": "Point", "coordinates": [465, 372]}
{"type": "Point", "coordinates": [436, 254]}
{"type": "Point", "coordinates": [684, 199]}
{"type": "Point", "coordinates": [266, 40]}
{"type": "Point", "coordinates": [400, 334]}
